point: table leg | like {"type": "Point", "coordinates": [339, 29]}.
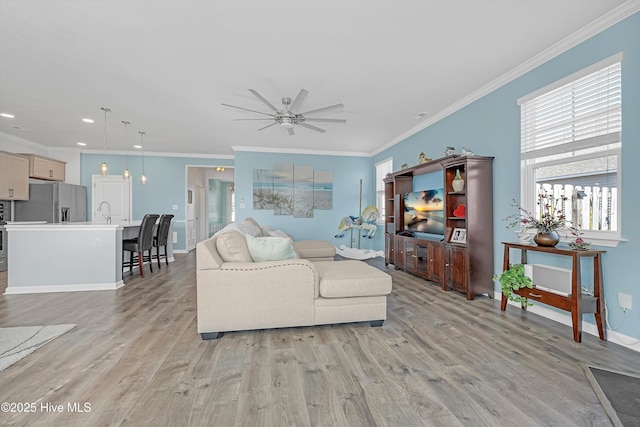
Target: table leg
{"type": "Point", "coordinates": [576, 300]}
{"type": "Point", "coordinates": [597, 293]}
{"type": "Point", "coordinates": [505, 267]}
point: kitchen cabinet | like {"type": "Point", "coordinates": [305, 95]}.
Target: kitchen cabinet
{"type": "Point", "coordinates": [45, 168]}
{"type": "Point", "coordinates": [14, 177]}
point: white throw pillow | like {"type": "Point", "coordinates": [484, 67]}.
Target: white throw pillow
{"type": "Point", "coordinates": [270, 248]}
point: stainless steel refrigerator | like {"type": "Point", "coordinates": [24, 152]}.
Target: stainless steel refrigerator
{"type": "Point", "coordinates": [53, 202]}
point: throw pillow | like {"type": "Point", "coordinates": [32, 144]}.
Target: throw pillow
{"type": "Point", "coordinates": [249, 220]}
{"type": "Point", "coordinates": [232, 247]}
{"type": "Point", "coordinates": [279, 233]}
{"type": "Point", "coordinates": [270, 248]}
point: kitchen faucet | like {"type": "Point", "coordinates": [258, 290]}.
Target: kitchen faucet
{"type": "Point", "coordinates": [105, 216]}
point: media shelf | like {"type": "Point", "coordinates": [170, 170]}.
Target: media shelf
{"type": "Point", "coordinates": [463, 260]}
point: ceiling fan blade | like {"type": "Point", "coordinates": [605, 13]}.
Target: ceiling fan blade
{"type": "Point", "coordinates": [290, 130]}
{"type": "Point", "coordinates": [324, 109]}
{"type": "Point", "coordinates": [263, 99]}
{"type": "Point", "coordinates": [246, 109]}
{"type": "Point", "coordinates": [268, 126]}
{"type": "Point", "coordinates": [240, 120]}
{"type": "Point", "coordinates": [324, 120]}
{"type": "Point", "coordinates": [312, 127]}
{"type": "Point", "coordinates": [299, 99]}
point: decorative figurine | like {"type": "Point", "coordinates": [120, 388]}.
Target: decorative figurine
{"type": "Point", "coordinates": [449, 151]}
{"type": "Point", "coordinates": [422, 158]}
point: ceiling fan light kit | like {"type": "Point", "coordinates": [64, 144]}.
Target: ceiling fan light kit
{"type": "Point", "coordinates": [288, 117]}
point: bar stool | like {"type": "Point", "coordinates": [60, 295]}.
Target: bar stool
{"type": "Point", "coordinates": [162, 236]}
{"type": "Point", "coordinates": [141, 244]}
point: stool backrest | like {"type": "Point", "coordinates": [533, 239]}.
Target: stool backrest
{"type": "Point", "coordinates": [145, 235]}
{"type": "Point", "coordinates": [163, 229]}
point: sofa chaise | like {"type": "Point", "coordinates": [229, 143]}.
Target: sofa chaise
{"type": "Point", "coordinates": [236, 293]}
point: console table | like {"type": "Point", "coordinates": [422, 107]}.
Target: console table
{"type": "Point", "coordinates": [575, 302]}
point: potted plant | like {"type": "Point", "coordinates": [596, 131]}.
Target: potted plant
{"type": "Point", "coordinates": [514, 279]}
{"type": "Point", "coordinates": [551, 217]}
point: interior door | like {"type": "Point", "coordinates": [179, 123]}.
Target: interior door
{"type": "Point", "coordinates": [114, 190]}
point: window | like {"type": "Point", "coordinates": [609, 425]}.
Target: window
{"type": "Point", "coordinates": [382, 169]}
{"type": "Point", "coordinates": [571, 146]}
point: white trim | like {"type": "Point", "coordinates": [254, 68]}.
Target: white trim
{"type": "Point", "coordinates": [613, 17]}
{"type": "Point", "coordinates": [17, 290]}
{"type": "Point", "coordinates": [613, 59]}
{"type": "Point", "coordinates": [300, 151]}
{"type": "Point", "coordinates": [161, 154]}
{"type": "Point", "coordinates": [589, 328]}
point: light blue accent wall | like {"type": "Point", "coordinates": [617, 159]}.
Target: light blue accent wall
{"type": "Point", "coordinates": [347, 172]}
{"type": "Point", "coordinates": [166, 185]}
{"type": "Point", "coordinates": [491, 126]}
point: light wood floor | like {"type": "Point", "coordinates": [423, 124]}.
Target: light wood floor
{"type": "Point", "coordinates": [439, 360]}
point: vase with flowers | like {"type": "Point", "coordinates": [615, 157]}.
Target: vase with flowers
{"type": "Point", "coordinates": [550, 218]}
{"type": "Point", "coordinates": [578, 243]}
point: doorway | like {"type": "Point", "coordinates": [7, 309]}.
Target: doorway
{"type": "Point", "coordinates": [207, 201]}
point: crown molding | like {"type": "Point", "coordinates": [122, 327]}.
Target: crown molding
{"type": "Point", "coordinates": [609, 19]}
{"type": "Point", "coordinates": [300, 151]}
{"type": "Point", "coordinates": [136, 152]}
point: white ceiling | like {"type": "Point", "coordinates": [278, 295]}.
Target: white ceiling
{"type": "Point", "coordinates": [166, 66]}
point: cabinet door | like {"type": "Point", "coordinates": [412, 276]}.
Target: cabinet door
{"type": "Point", "coordinates": [422, 258]}
{"type": "Point", "coordinates": [435, 263]}
{"type": "Point", "coordinates": [17, 178]}
{"type": "Point", "coordinates": [455, 269]}
{"type": "Point", "coordinates": [399, 253]}
{"type": "Point", "coordinates": [47, 169]}
{"type": "Point", "coordinates": [389, 249]}
{"type": "Point", "coordinates": [410, 257]}
{"type": "Point", "coordinates": [4, 177]}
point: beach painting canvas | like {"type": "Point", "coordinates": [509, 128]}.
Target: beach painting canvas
{"type": "Point", "coordinates": [302, 191]}
{"type": "Point", "coordinates": [263, 189]}
{"type": "Point", "coordinates": [283, 189]}
{"type": "Point", "coordinates": [323, 190]}
{"type": "Point", "coordinates": [424, 211]}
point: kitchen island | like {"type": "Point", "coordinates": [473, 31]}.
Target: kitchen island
{"type": "Point", "coordinates": [68, 256]}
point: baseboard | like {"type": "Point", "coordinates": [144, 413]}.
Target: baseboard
{"type": "Point", "coordinates": [589, 328]}
{"type": "Point", "coordinates": [180, 251]}
{"type": "Point", "coordinates": [16, 290]}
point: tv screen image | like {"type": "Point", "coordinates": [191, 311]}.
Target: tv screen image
{"type": "Point", "coordinates": [424, 211]}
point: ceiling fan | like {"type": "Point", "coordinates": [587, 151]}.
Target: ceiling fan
{"type": "Point", "coordinates": [288, 117]}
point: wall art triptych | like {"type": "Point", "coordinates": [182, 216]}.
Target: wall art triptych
{"type": "Point", "coordinates": [288, 189]}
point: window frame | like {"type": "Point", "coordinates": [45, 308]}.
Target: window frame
{"type": "Point", "coordinates": [611, 142]}
{"type": "Point", "coordinates": [380, 193]}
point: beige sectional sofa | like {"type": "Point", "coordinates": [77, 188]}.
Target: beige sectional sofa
{"type": "Point", "coordinates": [235, 293]}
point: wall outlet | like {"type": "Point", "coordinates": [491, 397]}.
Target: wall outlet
{"type": "Point", "coordinates": [624, 301]}
{"type": "Point", "coordinates": [97, 243]}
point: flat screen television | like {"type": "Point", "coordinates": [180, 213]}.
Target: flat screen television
{"type": "Point", "coordinates": [424, 211]}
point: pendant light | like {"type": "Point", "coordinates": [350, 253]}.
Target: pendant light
{"type": "Point", "coordinates": [104, 167]}
{"type": "Point", "coordinates": [143, 178]}
{"type": "Point", "coordinates": [125, 173]}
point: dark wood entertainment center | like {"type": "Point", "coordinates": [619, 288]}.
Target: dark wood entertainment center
{"type": "Point", "coordinates": [465, 266]}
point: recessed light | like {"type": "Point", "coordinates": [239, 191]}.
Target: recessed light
{"type": "Point", "coordinates": [137, 146]}
{"type": "Point", "coordinates": [83, 144]}
{"type": "Point", "coordinates": [421, 115]}
{"type": "Point", "coordinates": [7, 116]}
{"type": "Point", "coordinates": [87, 120]}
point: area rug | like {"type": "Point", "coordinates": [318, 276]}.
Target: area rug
{"type": "Point", "coordinates": [18, 342]}
{"type": "Point", "coordinates": [618, 392]}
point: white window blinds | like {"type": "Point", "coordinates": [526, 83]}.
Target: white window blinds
{"type": "Point", "coordinates": [586, 109]}
{"type": "Point", "coordinates": [382, 169]}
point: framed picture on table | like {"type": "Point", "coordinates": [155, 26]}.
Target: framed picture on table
{"type": "Point", "coordinates": [459, 235]}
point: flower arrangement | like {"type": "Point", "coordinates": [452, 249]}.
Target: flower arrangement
{"type": "Point", "coordinates": [551, 216]}
{"type": "Point", "coordinates": [578, 244]}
